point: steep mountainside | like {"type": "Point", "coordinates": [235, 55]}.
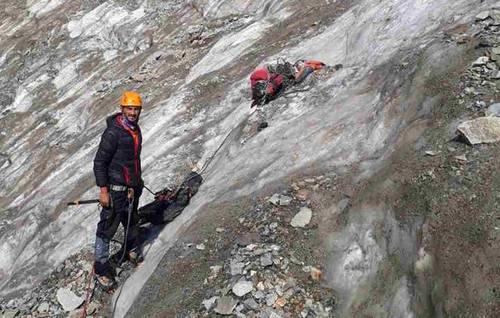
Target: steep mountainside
{"type": "Point", "coordinates": [394, 233]}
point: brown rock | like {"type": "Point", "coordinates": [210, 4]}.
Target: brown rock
{"type": "Point", "coordinates": [316, 274]}
{"type": "Point", "coordinates": [280, 302]}
{"type": "Point", "coordinates": [302, 195]}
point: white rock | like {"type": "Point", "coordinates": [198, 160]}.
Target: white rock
{"type": "Point", "coordinates": [242, 288]}
{"type": "Point", "coordinates": [68, 300]}
{"type": "Point", "coordinates": [481, 61]}
{"type": "Point", "coordinates": [278, 199]}
{"type": "Point", "coordinates": [493, 110]}
{"type": "Point", "coordinates": [225, 305]}
{"type": "Point", "coordinates": [285, 200]}
{"type": "Point", "coordinates": [275, 199]}
{"type": "Point", "coordinates": [481, 130]}
{"type": "Point", "coordinates": [44, 307]}
{"type": "Point", "coordinates": [200, 247]}
{"type": "Point", "coordinates": [432, 153]}
{"type": "Point", "coordinates": [209, 303]}
{"type": "Point", "coordinates": [302, 218]}
{"type": "Point", "coordinates": [483, 15]}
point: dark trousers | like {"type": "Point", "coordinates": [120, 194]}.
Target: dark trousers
{"type": "Point", "coordinates": [110, 219]}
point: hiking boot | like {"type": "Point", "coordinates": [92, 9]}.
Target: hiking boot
{"type": "Point", "coordinates": [105, 282]}
{"type": "Point", "coordinates": [104, 275]}
{"type": "Point", "coordinates": [135, 257]}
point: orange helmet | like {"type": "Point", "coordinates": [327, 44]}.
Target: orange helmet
{"type": "Point", "coordinates": [130, 99]}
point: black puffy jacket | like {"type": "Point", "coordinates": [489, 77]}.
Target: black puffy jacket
{"type": "Point", "coordinates": [118, 159]}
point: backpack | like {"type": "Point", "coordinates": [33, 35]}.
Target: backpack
{"type": "Point", "coordinates": [168, 204]}
{"type": "Point", "coordinates": [265, 84]}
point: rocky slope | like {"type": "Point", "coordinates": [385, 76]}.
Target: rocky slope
{"type": "Point", "coordinates": [394, 232]}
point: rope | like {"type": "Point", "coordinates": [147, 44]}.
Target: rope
{"type": "Point", "coordinates": [223, 142]}
{"type": "Point", "coordinates": [130, 196]}
{"type": "Point", "coordinates": [89, 292]}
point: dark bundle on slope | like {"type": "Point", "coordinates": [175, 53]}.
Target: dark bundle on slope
{"type": "Point", "coordinates": [168, 204]}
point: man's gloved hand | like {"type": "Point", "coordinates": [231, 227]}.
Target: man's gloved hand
{"type": "Point", "coordinates": [104, 199]}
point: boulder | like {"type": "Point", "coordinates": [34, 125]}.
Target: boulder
{"type": "Point", "coordinates": [493, 110]}
{"type": "Point", "coordinates": [68, 300]}
{"type": "Point", "coordinates": [225, 305]}
{"type": "Point", "coordinates": [481, 130]}
{"type": "Point", "coordinates": [242, 288]}
{"type": "Point", "coordinates": [302, 218]}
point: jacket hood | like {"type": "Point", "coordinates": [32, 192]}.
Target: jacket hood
{"type": "Point", "coordinates": [111, 120]}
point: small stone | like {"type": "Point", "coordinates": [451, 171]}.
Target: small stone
{"type": "Point", "coordinates": [138, 77]}
{"type": "Point", "coordinates": [483, 15]}
{"type": "Point", "coordinates": [310, 180]}
{"type": "Point", "coordinates": [251, 247]}
{"type": "Point", "coordinates": [68, 300]}
{"type": "Point", "coordinates": [43, 307]}
{"type": "Point", "coordinates": [302, 218]}
{"type": "Point", "coordinates": [266, 260]}
{"type": "Point", "coordinates": [275, 199]}
{"type": "Point", "coordinates": [219, 230]}
{"type": "Point", "coordinates": [209, 303]}
{"type": "Point", "coordinates": [271, 299]}
{"type": "Point", "coordinates": [461, 158]}
{"type": "Point", "coordinates": [481, 61]}
{"type": "Point", "coordinates": [280, 302]}
{"type": "Point", "coordinates": [451, 149]}
{"type": "Point", "coordinates": [302, 194]}
{"type": "Point", "coordinates": [236, 268]}
{"type": "Point", "coordinates": [496, 75]}
{"type": "Point", "coordinates": [496, 50]}
{"type": "Point", "coordinates": [432, 153]}
{"type": "Point", "coordinates": [259, 295]}
{"type": "Point", "coordinates": [470, 90]}
{"type": "Point", "coordinates": [10, 313]}
{"type": "Point", "coordinates": [316, 274]}
{"type": "Point", "coordinates": [251, 303]}
{"type": "Point", "coordinates": [285, 200]}
{"type": "Point", "coordinates": [214, 272]}
{"type": "Point", "coordinates": [242, 288]}
{"type": "Point", "coordinates": [493, 110]}
{"type": "Point", "coordinates": [260, 286]}
{"type": "Point", "coordinates": [200, 247]}
{"type": "Point", "coordinates": [225, 305]}
{"type": "Point", "coordinates": [274, 315]}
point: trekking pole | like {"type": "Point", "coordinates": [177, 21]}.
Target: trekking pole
{"type": "Point", "coordinates": [78, 202]}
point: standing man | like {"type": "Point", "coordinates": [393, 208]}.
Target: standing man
{"type": "Point", "coordinates": [117, 170]}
